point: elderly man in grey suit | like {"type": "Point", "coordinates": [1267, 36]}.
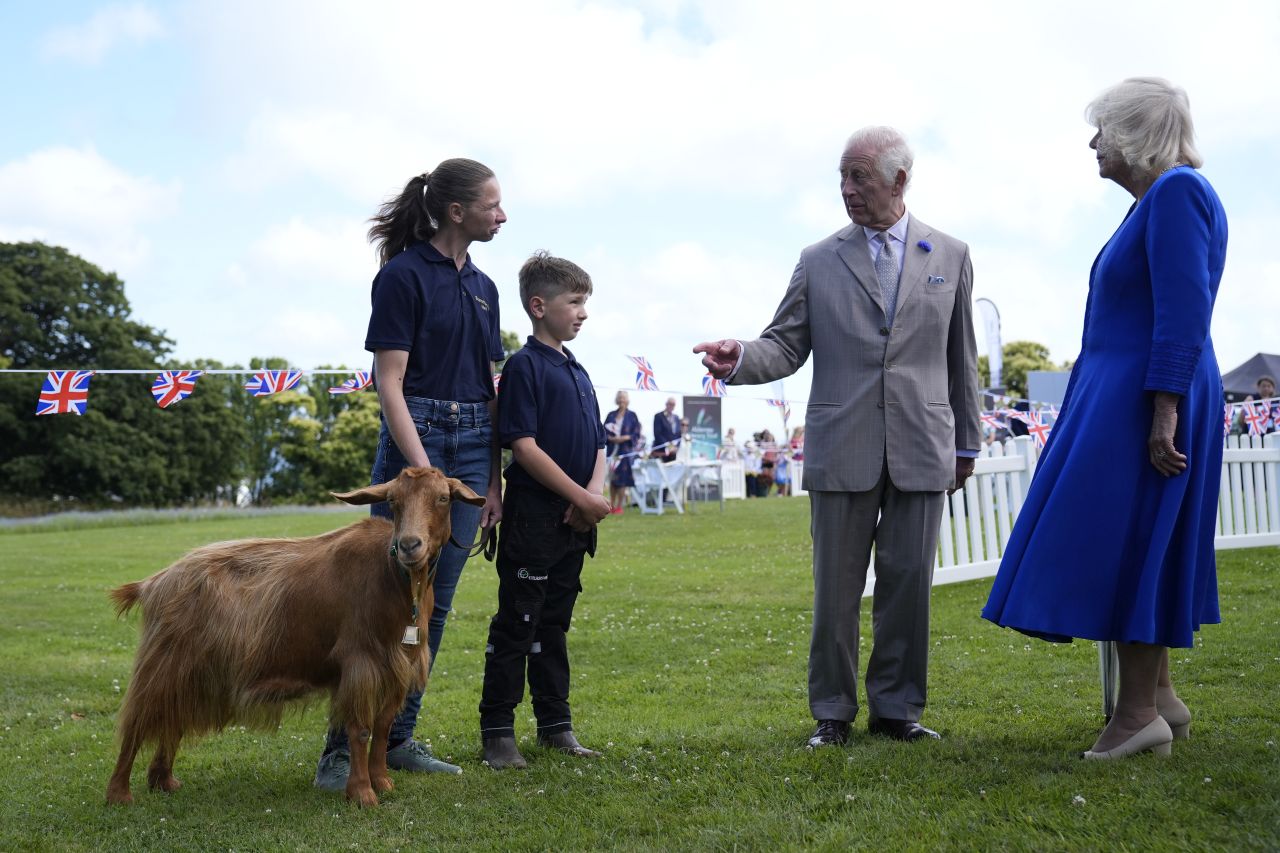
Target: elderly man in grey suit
{"type": "Point", "coordinates": [892, 425]}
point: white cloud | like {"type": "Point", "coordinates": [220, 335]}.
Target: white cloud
{"type": "Point", "coordinates": [110, 27]}
{"type": "Point", "coordinates": [301, 291]}
{"type": "Point", "coordinates": [76, 198]}
{"type": "Point", "coordinates": [314, 252]}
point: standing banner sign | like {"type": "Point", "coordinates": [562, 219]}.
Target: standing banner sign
{"type": "Point", "coordinates": [995, 349]}
{"type": "Point", "coordinates": [703, 414]}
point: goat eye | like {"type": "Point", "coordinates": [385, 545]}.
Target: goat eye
{"type": "Point", "coordinates": [444, 499]}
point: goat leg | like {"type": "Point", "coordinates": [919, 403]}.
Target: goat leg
{"type": "Point", "coordinates": [160, 773]}
{"type": "Point", "coordinates": [358, 788]}
{"type": "Point", "coordinates": [118, 787]}
{"type": "Point", "coordinates": [379, 779]}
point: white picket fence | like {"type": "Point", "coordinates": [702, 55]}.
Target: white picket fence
{"type": "Point", "coordinates": [978, 520]}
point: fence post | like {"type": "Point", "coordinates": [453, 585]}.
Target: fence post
{"type": "Point", "coordinates": [1026, 446]}
{"type": "Point", "coordinates": [1272, 479]}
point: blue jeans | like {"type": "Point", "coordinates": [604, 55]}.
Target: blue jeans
{"type": "Point", "coordinates": [458, 440]}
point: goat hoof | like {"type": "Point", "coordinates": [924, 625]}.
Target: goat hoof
{"type": "Point", "coordinates": [168, 784]}
{"type": "Point", "coordinates": [363, 797]}
{"type": "Point", "coordinates": [119, 798]}
{"type": "Point", "coordinates": [382, 784]}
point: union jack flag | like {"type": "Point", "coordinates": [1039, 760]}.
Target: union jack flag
{"type": "Point", "coordinates": [784, 406]}
{"type": "Point", "coordinates": [267, 382]}
{"type": "Point", "coordinates": [992, 419]}
{"type": "Point", "coordinates": [172, 386]}
{"type": "Point", "coordinates": [359, 382]}
{"type": "Point", "coordinates": [1228, 410]}
{"type": "Point", "coordinates": [1257, 416]}
{"type": "Point", "coordinates": [65, 392]}
{"type": "Point", "coordinates": [644, 374]}
{"type": "Point", "coordinates": [1039, 427]}
{"type": "Point", "coordinates": [497, 380]}
{"type": "Point", "coordinates": [712, 387]}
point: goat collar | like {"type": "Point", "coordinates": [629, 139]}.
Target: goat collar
{"type": "Point", "coordinates": [415, 593]}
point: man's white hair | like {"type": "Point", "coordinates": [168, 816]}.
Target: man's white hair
{"type": "Point", "coordinates": [891, 150]}
{"type": "Point", "coordinates": [1148, 121]}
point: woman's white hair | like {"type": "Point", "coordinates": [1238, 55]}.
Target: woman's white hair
{"type": "Point", "coordinates": [892, 151]}
{"type": "Point", "coordinates": [1148, 120]}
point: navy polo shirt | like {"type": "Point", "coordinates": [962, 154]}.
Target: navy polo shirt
{"type": "Point", "coordinates": [548, 396]}
{"type": "Point", "coordinates": [445, 318]}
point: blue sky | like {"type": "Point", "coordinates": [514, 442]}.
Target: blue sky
{"type": "Point", "coordinates": [223, 157]}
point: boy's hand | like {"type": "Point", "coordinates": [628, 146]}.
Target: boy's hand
{"type": "Point", "coordinates": [574, 519]}
{"type": "Point", "coordinates": [591, 507]}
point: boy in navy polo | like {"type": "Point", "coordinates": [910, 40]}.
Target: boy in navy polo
{"type": "Point", "coordinates": [549, 417]}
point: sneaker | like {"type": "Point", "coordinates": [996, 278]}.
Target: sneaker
{"type": "Point", "coordinates": [333, 770]}
{"type": "Point", "coordinates": [416, 758]}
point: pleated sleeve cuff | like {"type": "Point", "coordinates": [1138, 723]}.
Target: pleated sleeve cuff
{"type": "Point", "coordinates": [1172, 367]}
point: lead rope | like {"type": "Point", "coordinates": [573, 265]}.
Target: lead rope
{"type": "Point", "coordinates": [488, 543]}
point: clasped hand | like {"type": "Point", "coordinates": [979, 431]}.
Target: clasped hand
{"type": "Point", "coordinates": [587, 512]}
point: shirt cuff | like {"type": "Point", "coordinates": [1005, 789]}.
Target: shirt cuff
{"type": "Point", "coordinates": [967, 454]}
{"type": "Point", "coordinates": [742, 350]}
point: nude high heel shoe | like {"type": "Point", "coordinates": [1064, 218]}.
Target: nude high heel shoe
{"type": "Point", "coordinates": [1156, 736]}
{"type": "Point", "coordinates": [1178, 717]}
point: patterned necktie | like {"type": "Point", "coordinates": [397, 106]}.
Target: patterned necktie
{"type": "Point", "coordinates": [887, 274]}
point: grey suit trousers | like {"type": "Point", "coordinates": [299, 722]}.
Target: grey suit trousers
{"type": "Point", "coordinates": [903, 527]}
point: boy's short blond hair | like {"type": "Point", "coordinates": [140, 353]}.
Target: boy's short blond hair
{"type": "Point", "coordinates": [547, 276]}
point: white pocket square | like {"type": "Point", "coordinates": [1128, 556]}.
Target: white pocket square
{"type": "Point", "coordinates": [937, 279]}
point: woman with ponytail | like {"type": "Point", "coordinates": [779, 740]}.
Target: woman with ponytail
{"type": "Point", "coordinates": [435, 335]}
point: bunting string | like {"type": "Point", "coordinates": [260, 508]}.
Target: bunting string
{"type": "Point", "coordinates": [67, 392]}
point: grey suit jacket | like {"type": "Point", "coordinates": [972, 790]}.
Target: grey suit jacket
{"type": "Point", "coordinates": [910, 392]}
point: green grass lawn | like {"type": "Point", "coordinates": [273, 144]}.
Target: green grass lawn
{"type": "Point", "coordinates": [689, 652]}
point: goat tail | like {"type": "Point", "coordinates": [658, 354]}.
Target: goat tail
{"type": "Point", "coordinates": [126, 597]}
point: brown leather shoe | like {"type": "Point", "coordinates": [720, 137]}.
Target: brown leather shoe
{"type": "Point", "coordinates": [907, 730]}
{"type": "Point", "coordinates": [566, 743]}
{"type": "Point", "coordinates": [830, 733]}
{"type": "Point", "coordinates": [500, 753]}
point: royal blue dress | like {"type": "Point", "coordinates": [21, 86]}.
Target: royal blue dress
{"type": "Point", "coordinates": [1105, 547]}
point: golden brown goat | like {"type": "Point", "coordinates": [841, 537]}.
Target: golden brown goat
{"type": "Point", "coordinates": [233, 631]}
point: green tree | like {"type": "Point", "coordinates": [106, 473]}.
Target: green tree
{"type": "Point", "coordinates": [510, 343]}
{"type": "Point", "coordinates": [60, 311]}
{"type": "Point", "coordinates": [266, 420]}
{"type": "Point", "coordinates": [327, 444]}
{"type": "Point", "coordinates": [1019, 358]}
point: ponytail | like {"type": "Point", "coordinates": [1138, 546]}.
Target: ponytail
{"type": "Point", "coordinates": [418, 212]}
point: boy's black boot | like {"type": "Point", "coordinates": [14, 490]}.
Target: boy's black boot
{"type": "Point", "coordinates": [566, 743]}
{"type": "Point", "coordinates": [501, 753]}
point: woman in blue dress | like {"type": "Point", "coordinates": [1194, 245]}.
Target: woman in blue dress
{"type": "Point", "coordinates": [1115, 540]}
{"type": "Point", "coordinates": [622, 436]}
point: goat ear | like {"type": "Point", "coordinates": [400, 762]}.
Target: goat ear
{"type": "Point", "coordinates": [367, 495]}
{"type": "Point", "coordinates": [460, 491]}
